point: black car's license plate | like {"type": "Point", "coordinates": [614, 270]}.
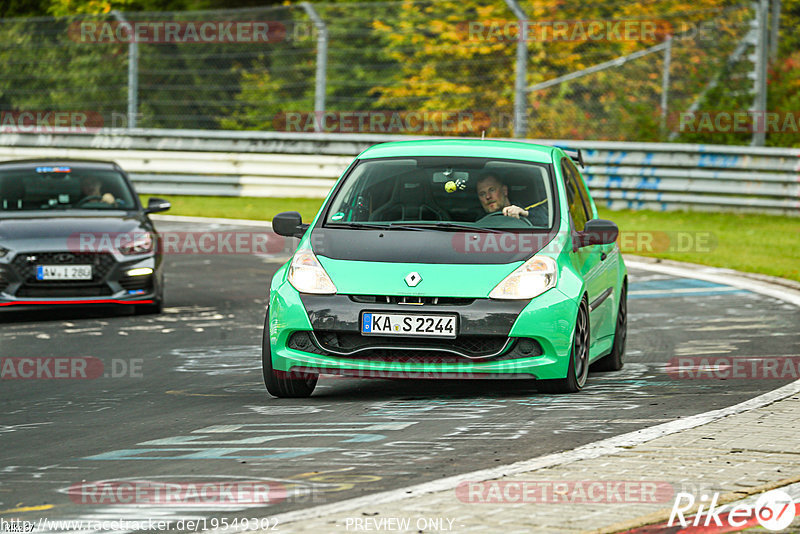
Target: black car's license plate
{"type": "Point", "coordinates": [63, 272]}
{"type": "Point", "coordinates": [406, 324]}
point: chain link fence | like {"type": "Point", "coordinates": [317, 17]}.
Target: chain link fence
{"type": "Point", "coordinates": [443, 67]}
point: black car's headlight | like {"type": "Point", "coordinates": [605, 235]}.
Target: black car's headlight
{"type": "Point", "coordinates": [141, 243]}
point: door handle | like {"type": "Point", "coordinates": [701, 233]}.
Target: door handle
{"type": "Point", "coordinates": [603, 256]}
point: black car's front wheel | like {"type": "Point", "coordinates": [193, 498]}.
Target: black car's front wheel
{"type": "Point", "coordinates": [280, 383]}
{"type": "Point", "coordinates": [578, 369]}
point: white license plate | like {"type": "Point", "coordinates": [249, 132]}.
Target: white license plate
{"type": "Point", "coordinates": [63, 272]}
{"type": "Point", "coordinates": [401, 324]}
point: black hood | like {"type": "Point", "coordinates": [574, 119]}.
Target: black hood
{"type": "Point", "coordinates": [61, 231]}
{"type": "Point", "coordinates": [427, 246]}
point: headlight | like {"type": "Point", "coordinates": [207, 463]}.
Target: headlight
{"type": "Point", "coordinates": [3, 251]}
{"type": "Point", "coordinates": [140, 244]}
{"type": "Point", "coordinates": [307, 275]}
{"type": "Point", "coordinates": [529, 280]}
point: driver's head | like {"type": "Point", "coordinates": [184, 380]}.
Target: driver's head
{"type": "Point", "coordinates": [492, 193]}
{"type": "Point", "coordinates": [90, 186]}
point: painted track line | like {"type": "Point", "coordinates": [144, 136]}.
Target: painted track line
{"type": "Point", "coordinates": [721, 276]}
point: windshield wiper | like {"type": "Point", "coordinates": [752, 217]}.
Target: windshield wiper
{"type": "Point", "coordinates": [358, 225]}
{"type": "Point", "coordinates": [444, 225]}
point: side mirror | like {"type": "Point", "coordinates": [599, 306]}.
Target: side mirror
{"type": "Point", "coordinates": [154, 205]}
{"type": "Point", "coordinates": [598, 232]}
{"type": "Point", "coordinates": [289, 224]}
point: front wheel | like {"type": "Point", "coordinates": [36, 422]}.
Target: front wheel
{"type": "Point", "coordinates": [578, 369]}
{"type": "Point", "coordinates": [280, 383]}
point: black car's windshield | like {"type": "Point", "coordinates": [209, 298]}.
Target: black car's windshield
{"type": "Point", "coordinates": [480, 193]}
{"type": "Point", "coordinates": [63, 188]}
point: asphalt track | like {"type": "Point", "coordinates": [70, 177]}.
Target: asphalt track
{"type": "Point", "coordinates": [181, 399]}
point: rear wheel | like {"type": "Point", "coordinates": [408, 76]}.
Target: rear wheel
{"type": "Point", "coordinates": [281, 383]}
{"type": "Point", "coordinates": [613, 362]}
{"type": "Point", "coordinates": [578, 369]}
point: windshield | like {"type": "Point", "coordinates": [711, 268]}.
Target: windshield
{"type": "Point", "coordinates": [448, 193]}
{"type": "Point", "coordinates": [63, 187]}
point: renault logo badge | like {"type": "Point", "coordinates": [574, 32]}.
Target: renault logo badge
{"type": "Point", "coordinates": [413, 278]}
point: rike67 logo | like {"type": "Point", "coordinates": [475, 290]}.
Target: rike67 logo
{"type": "Point", "coordinates": [774, 510]}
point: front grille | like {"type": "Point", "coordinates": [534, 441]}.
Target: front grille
{"type": "Point", "coordinates": [25, 265]}
{"type": "Point", "coordinates": [133, 283]}
{"type": "Point", "coordinates": [419, 301]}
{"type": "Point", "coordinates": [63, 291]}
{"type": "Point", "coordinates": [384, 348]}
{"type": "Point", "coordinates": [474, 346]}
{"type": "Point", "coordinates": [3, 279]}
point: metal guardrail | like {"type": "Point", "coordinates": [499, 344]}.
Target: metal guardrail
{"type": "Point", "coordinates": [660, 176]}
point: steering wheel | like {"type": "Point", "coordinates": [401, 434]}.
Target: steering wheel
{"type": "Point", "coordinates": [524, 220]}
{"type": "Point", "coordinates": [88, 199]}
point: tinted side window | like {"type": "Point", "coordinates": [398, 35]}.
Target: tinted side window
{"type": "Point", "coordinates": [577, 208]}
{"type": "Point", "coordinates": [581, 183]}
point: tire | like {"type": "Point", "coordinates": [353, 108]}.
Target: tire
{"type": "Point", "coordinates": [280, 383]}
{"type": "Point", "coordinates": [614, 361]}
{"type": "Point", "coordinates": [578, 369]}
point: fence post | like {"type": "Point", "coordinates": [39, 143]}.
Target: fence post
{"type": "Point", "coordinates": [776, 24]}
{"type": "Point", "coordinates": [520, 91]}
{"type": "Point", "coordinates": [133, 73]}
{"type": "Point", "coordinates": [322, 63]}
{"type": "Point", "coordinates": [665, 84]}
{"type": "Point", "coordinates": [760, 100]}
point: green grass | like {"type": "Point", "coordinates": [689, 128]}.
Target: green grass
{"type": "Point", "coordinates": [259, 209]}
{"type": "Point", "coordinates": [767, 244]}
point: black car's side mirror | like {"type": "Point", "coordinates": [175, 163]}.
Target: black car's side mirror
{"type": "Point", "coordinates": [598, 232]}
{"type": "Point", "coordinates": [154, 205]}
{"type": "Point", "coordinates": [289, 224]}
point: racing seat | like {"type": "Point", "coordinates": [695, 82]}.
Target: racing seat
{"type": "Point", "coordinates": [411, 200]}
{"type": "Point", "coordinates": [530, 197]}
{"type": "Point", "coordinates": [12, 193]}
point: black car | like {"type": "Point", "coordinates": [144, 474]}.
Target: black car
{"type": "Point", "coordinates": [73, 232]}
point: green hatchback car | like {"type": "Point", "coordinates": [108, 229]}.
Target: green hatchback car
{"type": "Point", "coordinates": [449, 259]}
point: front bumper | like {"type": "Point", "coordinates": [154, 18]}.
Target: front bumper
{"type": "Point", "coordinates": [110, 284]}
{"type": "Point", "coordinates": [496, 339]}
